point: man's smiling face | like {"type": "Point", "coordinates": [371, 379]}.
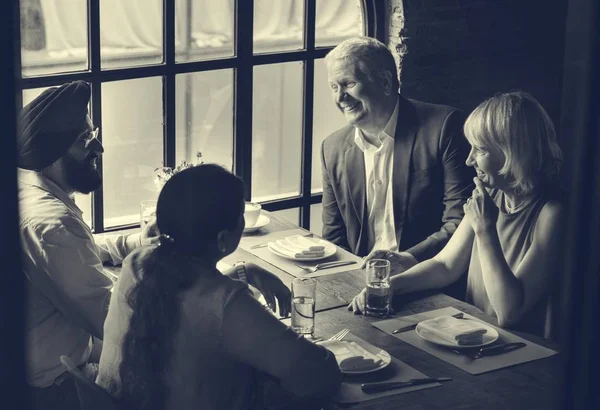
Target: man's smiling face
{"type": "Point", "coordinates": [359, 98]}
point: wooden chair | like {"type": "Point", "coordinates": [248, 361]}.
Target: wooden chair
{"type": "Point", "coordinates": [91, 396]}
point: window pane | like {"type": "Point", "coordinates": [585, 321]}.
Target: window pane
{"type": "Point", "coordinates": [131, 32]}
{"type": "Point", "coordinates": [316, 223]}
{"type": "Point", "coordinates": [205, 117]}
{"type": "Point", "coordinates": [337, 20]}
{"type": "Point", "coordinates": [326, 119]}
{"type": "Point", "coordinates": [54, 37]}
{"type": "Point", "coordinates": [203, 29]}
{"type": "Point", "coordinates": [278, 25]}
{"type": "Point", "coordinates": [291, 215]}
{"type": "Point", "coordinates": [132, 135]}
{"type": "Point", "coordinates": [276, 131]}
{"type": "Point", "coordinates": [84, 202]}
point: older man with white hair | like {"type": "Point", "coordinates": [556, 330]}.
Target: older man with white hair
{"type": "Point", "coordinates": [395, 177]}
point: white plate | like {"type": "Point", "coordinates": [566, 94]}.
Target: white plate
{"type": "Point", "coordinates": [330, 250]}
{"type": "Point", "coordinates": [488, 338]}
{"type": "Point", "coordinates": [385, 357]}
{"type": "Point", "coordinates": [260, 222]}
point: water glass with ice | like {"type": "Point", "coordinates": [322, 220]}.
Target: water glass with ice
{"type": "Point", "coordinates": [303, 306]}
{"type": "Point", "coordinates": [378, 287]}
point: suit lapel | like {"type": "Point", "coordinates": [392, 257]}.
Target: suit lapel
{"type": "Point", "coordinates": [404, 141]}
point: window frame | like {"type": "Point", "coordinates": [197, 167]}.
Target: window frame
{"type": "Point", "coordinates": [242, 62]}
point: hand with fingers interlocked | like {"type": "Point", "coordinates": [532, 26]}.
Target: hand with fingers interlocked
{"type": "Point", "coordinates": [480, 209]}
{"type": "Point", "coordinates": [399, 262]}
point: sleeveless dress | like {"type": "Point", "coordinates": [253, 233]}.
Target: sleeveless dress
{"type": "Point", "coordinates": [515, 231]}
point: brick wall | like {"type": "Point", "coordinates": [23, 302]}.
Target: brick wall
{"type": "Point", "coordinates": [460, 52]}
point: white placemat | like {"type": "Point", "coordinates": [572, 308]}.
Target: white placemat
{"type": "Point", "coordinates": [288, 265]}
{"type": "Point", "coordinates": [485, 364]}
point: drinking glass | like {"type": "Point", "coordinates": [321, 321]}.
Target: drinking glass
{"type": "Point", "coordinates": [303, 306]}
{"type": "Point", "coordinates": [147, 212]}
{"type": "Point", "coordinates": [378, 287]}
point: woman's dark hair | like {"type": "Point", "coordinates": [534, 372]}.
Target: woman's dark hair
{"type": "Point", "coordinates": [193, 206]}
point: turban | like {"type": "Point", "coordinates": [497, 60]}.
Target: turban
{"type": "Point", "coordinates": [49, 125]}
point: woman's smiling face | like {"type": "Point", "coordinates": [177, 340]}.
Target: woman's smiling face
{"type": "Point", "coordinates": [488, 161]}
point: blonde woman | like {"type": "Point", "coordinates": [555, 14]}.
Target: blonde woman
{"type": "Point", "coordinates": [510, 239]}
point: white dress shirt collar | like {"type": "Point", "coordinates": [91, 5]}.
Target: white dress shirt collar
{"type": "Point", "coordinates": [388, 132]}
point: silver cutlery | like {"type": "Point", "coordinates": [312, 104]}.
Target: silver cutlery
{"type": "Point", "coordinates": [262, 245]}
{"type": "Point", "coordinates": [340, 335]}
{"type": "Point", "coordinates": [383, 386]}
{"type": "Point", "coordinates": [325, 265]}
{"type": "Point", "coordinates": [492, 350]}
{"type": "Point", "coordinates": [414, 325]}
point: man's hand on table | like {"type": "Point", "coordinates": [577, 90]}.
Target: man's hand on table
{"type": "Point", "coordinates": [399, 261]}
{"type": "Point", "coordinates": [271, 288]}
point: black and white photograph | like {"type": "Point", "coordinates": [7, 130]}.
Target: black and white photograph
{"type": "Point", "coordinates": [300, 204]}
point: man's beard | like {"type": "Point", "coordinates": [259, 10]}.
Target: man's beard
{"type": "Point", "coordinates": [81, 175]}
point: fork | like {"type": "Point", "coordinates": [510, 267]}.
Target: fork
{"type": "Point", "coordinates": [326, 265]}
{"type": "Point", "coordinates": [340, 335]}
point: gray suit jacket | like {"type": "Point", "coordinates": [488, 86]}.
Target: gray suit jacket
{"type": "Point", "coordinates": [430, 181]}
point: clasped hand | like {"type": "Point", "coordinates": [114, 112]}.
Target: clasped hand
{"type": "Point", "coordinates": [399, 262]}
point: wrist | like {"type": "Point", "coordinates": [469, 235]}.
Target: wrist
{"type": "Point", "coordinates": [240, 269]}
{"type": "Point", "coordinates": [484, 228]}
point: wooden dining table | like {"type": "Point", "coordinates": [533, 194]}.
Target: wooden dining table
{"type": "Point", "coordinates": [531, 385]}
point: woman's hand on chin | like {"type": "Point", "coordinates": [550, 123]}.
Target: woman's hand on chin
{"type": "Point", "coordinates": [271, 288]}
{"type": "Point", "coordinates": [481, 209]}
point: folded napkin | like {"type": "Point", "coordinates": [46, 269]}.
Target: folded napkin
{"type": "Point", "coordinates": [298, 246]}
{"type": "Point", "coordinates": [351, 356]}
{"type": "Point", "coordinates": [463, 332]}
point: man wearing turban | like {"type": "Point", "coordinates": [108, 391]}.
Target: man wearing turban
{"type": "Point", "coordinates": [68, 291]}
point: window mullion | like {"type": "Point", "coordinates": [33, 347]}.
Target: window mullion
{"type": "Point", "coordinates": [94, 61]}
{"type": "Point", "coordinates": [244, 25]}
{"type": "Point", "coordinates": [169, 108]}
{"type": "Point", "coordinates": [307, 122]}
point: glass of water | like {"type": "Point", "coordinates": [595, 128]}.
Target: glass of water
{"type": "Point", "coordinates": [378, 287]}
{"type": "Point", "coordinates": [147, 212]}
{"type": "Point", "coordinates": [303, 306]}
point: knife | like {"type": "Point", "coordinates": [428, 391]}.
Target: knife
{"type": "Point", "coordinates": [370, 388]}
{"type": "Point", "coordinates": [414, 325]}
{"type": "Point", "coordinates": [495, 350]}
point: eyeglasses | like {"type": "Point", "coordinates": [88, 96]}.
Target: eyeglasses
{"type": "Point", "coordinates": [91, 136]}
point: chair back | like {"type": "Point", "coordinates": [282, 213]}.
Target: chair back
{"type": "Point", "coordinates": [91, 396]}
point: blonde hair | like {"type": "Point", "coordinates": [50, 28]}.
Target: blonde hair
{"type": "Point", "coordinates": [368, 54]}
{"type": "Point", "coordinates": [517, 125]}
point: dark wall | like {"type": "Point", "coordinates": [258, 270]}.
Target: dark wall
{"type": "Point", "coordinates": [460, 52]}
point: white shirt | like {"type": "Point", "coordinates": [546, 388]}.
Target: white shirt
{"type": "Point", "coordinates": [68, 291]}
{"type": "Point", "coordinates": [378, 179]}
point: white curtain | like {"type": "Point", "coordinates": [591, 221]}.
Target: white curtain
{"type": "Point", "coordinates": [137, 24]}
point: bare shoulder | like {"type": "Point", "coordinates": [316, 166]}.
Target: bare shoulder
{"type": "Point", "coordinates": [550, 220]}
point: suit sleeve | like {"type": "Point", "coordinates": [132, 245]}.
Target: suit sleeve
{"type": "Point", "coordinates": [334, 229]}
{"type": "Point", "coordinates": [457, 185]}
